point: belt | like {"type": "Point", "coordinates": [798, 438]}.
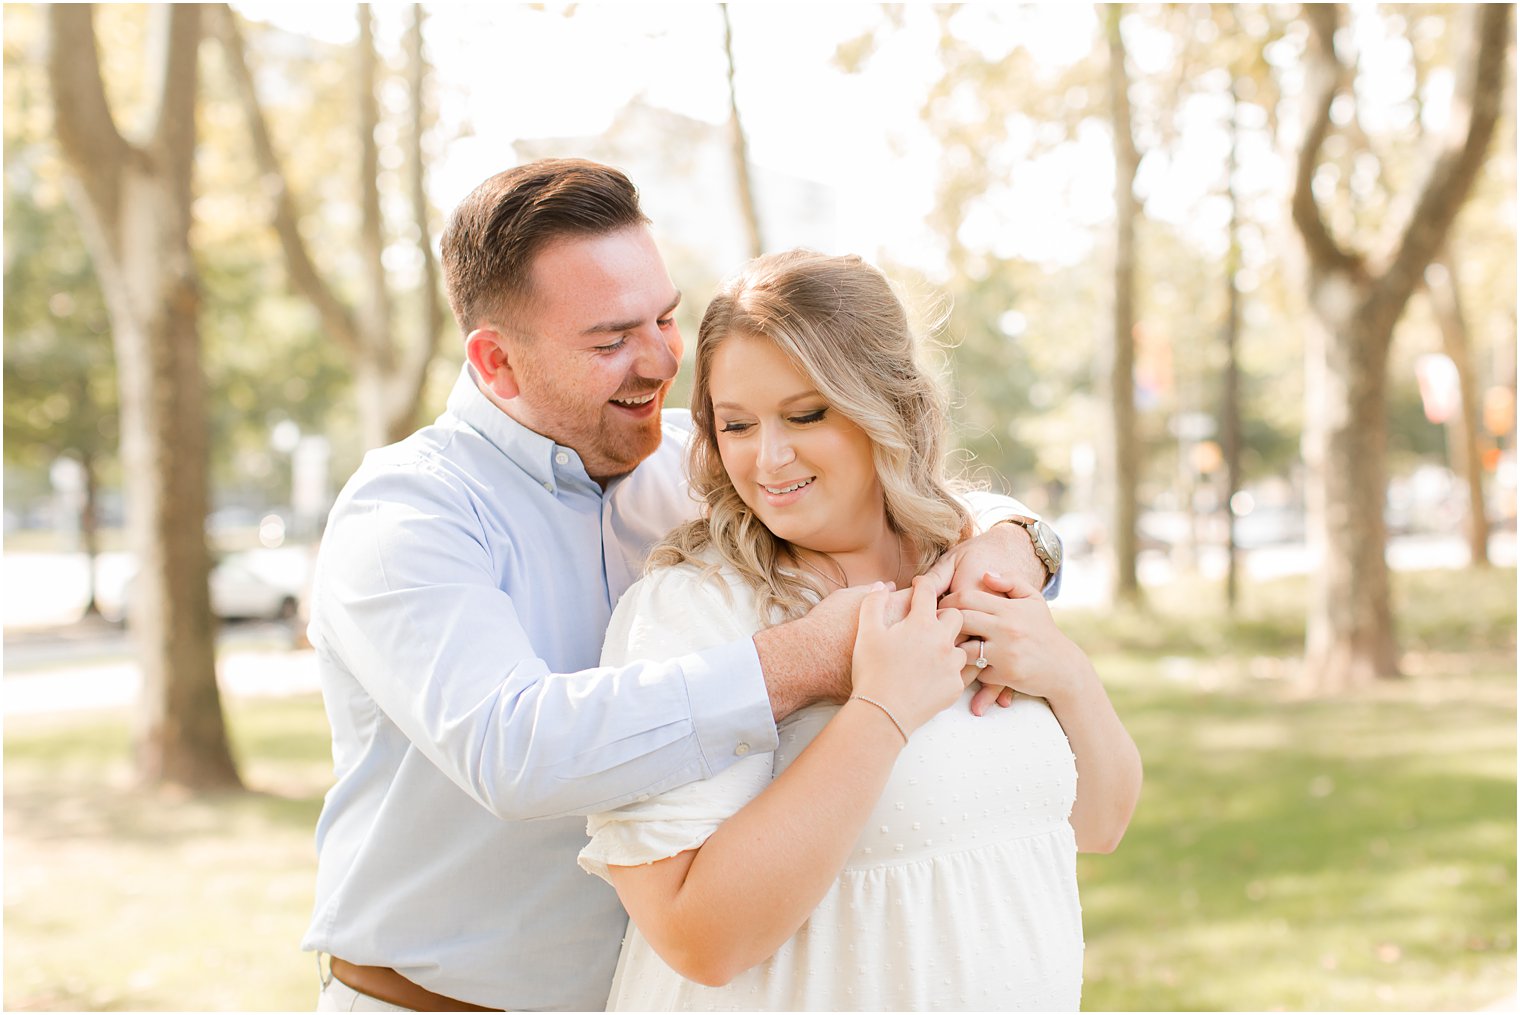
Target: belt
{"type": "Point", "coordinates": [385, 984]}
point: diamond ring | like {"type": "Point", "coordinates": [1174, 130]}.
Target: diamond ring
{"type": "Point", "coordinates": [981, 654]}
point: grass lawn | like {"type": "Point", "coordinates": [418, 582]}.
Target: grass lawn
{"type": "Point", "coordinates": [116, 900]}
{"type": "Point", "coordinates": [1289, 852]}
{"type": "Point", "coordinates": [1299, 853]}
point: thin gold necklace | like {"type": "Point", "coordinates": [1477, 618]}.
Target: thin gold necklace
{"type": "Point", "coordinates": [843, 580]}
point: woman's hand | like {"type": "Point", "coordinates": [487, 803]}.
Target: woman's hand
{"type": "Point", "coordinates": [913, 667]}
{"type": "Point", "coordinates": [1008, 621]}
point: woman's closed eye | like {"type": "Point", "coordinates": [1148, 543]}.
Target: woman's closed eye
{"type": "Point", "coordinates": [802, 419]}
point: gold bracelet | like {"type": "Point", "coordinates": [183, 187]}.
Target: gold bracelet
{"type": "Point", "coordinates": [884, 711]}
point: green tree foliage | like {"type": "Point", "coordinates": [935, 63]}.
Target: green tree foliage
{"type": "Point", "coordinates": [267, 363]}
{"type": "Point", "coordinates": [1025, 332]}
{"type": "Point", "coordinates": [269, 359]}
{"type": "Point", "coordinates": [60, 381]}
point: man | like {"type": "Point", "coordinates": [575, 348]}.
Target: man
{"type": "Point", "coordinates": [463, 587]}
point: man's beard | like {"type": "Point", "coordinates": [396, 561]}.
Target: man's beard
{"type": "Point", "coordinates": [620, 445]}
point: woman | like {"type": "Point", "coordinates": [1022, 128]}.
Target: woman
{"type": "Point", "coordinates": [895, 853]}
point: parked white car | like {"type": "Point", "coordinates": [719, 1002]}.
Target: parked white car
{"type": "Point", "coordinates": [240, 591]}
{"type": "Point", "coordinates": [243, 586]}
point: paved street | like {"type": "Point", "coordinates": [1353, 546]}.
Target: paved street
{"type": "Point", "coordinates": [1086, 581]}
{"type": "Point", "coordinates": [90, 666]}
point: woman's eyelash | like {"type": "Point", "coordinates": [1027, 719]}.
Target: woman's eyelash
{"type": "Point", "coordinates": [816, 416]}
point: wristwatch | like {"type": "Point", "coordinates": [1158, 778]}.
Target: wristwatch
{"type": "Point", "coordinates": [1047, 545]}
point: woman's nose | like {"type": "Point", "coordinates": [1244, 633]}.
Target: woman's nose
{"type": "Point", "coordinates": [775, 448]}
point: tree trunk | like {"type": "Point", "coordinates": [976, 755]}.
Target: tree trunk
{"type": "Point", "coordinates": [374, 309]}
{"type": "Point", "coordinates": [1355, 300]}
{"type": "Point", "coordinates": [1229, 409]}
{"type": "Point", "coordinates": [417, 355]}
{"type": "Point", "coordinates": [134, 202]}
{"type": "Point", "coordinates": [748, 210]}
{"type": "Point", "coordinates": [1350, 637]}
{"type": "Point", "coordinates": [1465, 429]}
{"type": "Point", "coordinates": [1124, 509]}
{"type": "Point", "coordinates": [89, 527]}
{"type": "Point", "coordinates": [181, 736]}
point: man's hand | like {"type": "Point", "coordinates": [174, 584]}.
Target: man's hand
{"type": "Point", "coordinates": [807, 660]}
{"type": "Point", "coordinates": [1004, 549]}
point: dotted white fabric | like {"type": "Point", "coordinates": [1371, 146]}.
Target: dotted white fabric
{"type": "Point", "coordinates": [960, 894]}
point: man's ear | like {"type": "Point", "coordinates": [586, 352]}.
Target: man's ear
{"type": "Point", "coordinates": [489, 352]}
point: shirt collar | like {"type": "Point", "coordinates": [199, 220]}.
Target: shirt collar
{"type": "Point", "coordinates": [550, 465]}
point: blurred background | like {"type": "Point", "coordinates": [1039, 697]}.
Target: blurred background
{"type": "Point", "coordinates": [1227, 292]}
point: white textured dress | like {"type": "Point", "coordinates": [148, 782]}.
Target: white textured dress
{"type": "Point", "coordinates": [960, 894]}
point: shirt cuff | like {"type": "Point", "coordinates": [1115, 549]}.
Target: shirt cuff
{"type": "Point", "coordinates": [730, 707]}
{"type": "Point", "coordinates": [987, 509]}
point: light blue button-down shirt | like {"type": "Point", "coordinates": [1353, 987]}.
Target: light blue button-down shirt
{"type": "Point", "coordinates": [462, 591]}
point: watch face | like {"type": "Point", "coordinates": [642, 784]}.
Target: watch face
{"type": "Point", "coordinates": [1047, 546]}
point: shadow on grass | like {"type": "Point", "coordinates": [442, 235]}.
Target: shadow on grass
{"type": "Point", "coordinates": [127, 816]}
{"type": "Point", "coordinates": [1311, 854]}
{"type": "Point", "coordinates": [72, 778]}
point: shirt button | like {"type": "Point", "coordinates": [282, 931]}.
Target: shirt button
{"type": "Point", "coordinates": [562, 458]}
{"type": "Point", "coordinates": [742, 750]}
{"type": "Point", "coordinates": [549, 487]}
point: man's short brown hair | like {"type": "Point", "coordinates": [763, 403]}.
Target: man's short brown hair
{"type": "Point", "coordinates": [494, 234]}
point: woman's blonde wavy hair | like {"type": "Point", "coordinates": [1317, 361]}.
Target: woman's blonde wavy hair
{"type": "Point", "coordinates": [841, 323]}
